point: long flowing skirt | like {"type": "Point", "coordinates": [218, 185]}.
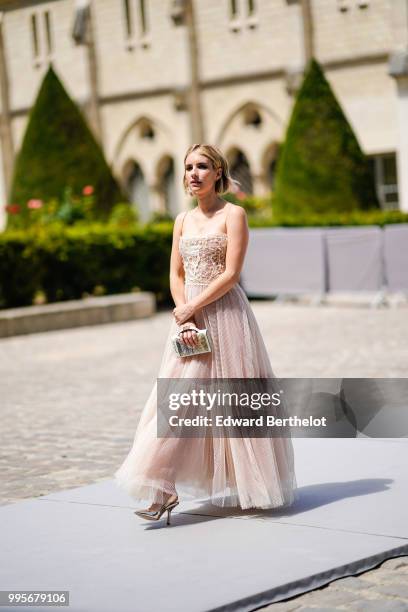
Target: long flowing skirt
{"type": "Point", "coordinates": [229, 471]}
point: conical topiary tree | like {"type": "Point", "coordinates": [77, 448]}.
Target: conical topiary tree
{"type": "Point", "coordinates": [59, 151]}
{"type": "Point", "coordinates": [321, 167]}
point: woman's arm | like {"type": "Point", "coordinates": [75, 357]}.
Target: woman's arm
{"type": "Point", "coordinates": [177, 280]}
{"type": "Point", "coordinates": [238, 235]}
{"type": "Point", "coordinates": [176, 265]}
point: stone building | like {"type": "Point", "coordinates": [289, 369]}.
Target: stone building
{"type": "Point", "coordinates": [153, 76]}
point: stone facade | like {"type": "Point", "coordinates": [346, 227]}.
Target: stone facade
{"type": "Point", "coordinates": [249, 57]}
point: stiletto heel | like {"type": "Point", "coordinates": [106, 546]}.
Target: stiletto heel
{"type": "Point", "coordinates": [154, 515]}
{"type": "Point", "coordinates": [169, 509]}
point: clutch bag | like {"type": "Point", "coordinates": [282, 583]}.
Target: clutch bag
{"type": "Point", "coordinates": [203, 346]}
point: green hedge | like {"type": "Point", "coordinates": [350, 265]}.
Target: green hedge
{"type": "Point", "coordinates": [262, 213]}
{"type": "Point", "coordinates": [69, 262]}
{"type": "Point", "coordinates": [352, 218]}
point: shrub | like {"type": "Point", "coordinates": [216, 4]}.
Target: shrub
{"type": "Point", "coordinates": [71, 209]}
{"type": "Point", "coordinates": [68, 262]}
{"type": "Point", "coordinates": [352, 218]}
{"type": "Point", "coordinates": [123, 215]}
{"type": "Point", "coordinates": [321, 167]}
{"type": "Point", "coordinates": [160, 217]}
{"type": "Point", "coordinates": [59, 151]}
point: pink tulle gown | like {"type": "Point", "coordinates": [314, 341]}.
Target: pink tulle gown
{"type": "Point", "coordinates": [243, 472]}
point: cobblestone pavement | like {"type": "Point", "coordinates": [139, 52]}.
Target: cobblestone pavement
{"type": "Point", "coordinates": [70, 402]}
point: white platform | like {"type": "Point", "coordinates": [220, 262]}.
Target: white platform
{"type": "Point", "coordinates": [351, 516]}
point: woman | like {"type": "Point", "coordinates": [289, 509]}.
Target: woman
{"type": "Point", "coordinates": [209, 245]}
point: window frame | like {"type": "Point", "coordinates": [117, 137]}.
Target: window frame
{"type": "Point", "coordinates": [383, 189]}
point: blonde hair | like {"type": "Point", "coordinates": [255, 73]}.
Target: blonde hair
{"type": "Point", "coordinates": [223, 184]}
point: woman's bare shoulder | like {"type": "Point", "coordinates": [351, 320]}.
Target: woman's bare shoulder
{"type": "Point", "coordinates": [180, 216]}
{"type": "Point", "coordinates": [178, 221]}
{"type": "Point", "coordinates": [236, 211]}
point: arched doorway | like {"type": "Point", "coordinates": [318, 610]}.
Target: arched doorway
{"type": "Point", "coordinates": [167, 187]}
{"type": "Point", "coordinates": [270, 174]}
{"type": "Point", "coordinates": [240, 170]}
{"type": "Point", "coordinates": [138, 191]}
{"type": "Point", "coordinates": [270, 161]}
{"type": "Point", "coordinates": [269, 165]}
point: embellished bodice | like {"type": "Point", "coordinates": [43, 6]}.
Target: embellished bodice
{"type": "Point", "coordinates": [203, 257]}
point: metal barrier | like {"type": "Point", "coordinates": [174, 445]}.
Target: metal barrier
{"type": "Point", "coordinates": [326, 261]}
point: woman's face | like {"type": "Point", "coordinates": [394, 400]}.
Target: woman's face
{"type": "Point", "coordinates": [200, 173]}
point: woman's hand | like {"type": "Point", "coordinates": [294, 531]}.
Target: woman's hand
{"type": "Point", "coordinates": [183, 313]}
{"type": "Point", "coordinates": [189, 337]}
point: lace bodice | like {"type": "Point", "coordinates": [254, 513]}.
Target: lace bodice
{"type": "Point", "coordinates": [203, 257]}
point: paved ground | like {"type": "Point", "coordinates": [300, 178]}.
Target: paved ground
{"type": "Point", "coordinates": [70, 402]}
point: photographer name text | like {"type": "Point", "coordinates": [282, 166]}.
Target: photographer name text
{"type": "Point", "coordinates": [267, 420]}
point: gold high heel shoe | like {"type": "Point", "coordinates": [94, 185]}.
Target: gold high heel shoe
{"type": "Point", "coordinates": [154, 515]}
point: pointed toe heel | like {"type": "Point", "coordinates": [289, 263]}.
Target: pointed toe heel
{"type": "Point", "coordinates": [154, 515]}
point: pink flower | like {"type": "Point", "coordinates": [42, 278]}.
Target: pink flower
{"type": "Point", "coordinates": [88, 190]}
{"type": "Point", "coordinates": [34, 204]}
{"type": "Point", "coordinates": [13, 209]}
